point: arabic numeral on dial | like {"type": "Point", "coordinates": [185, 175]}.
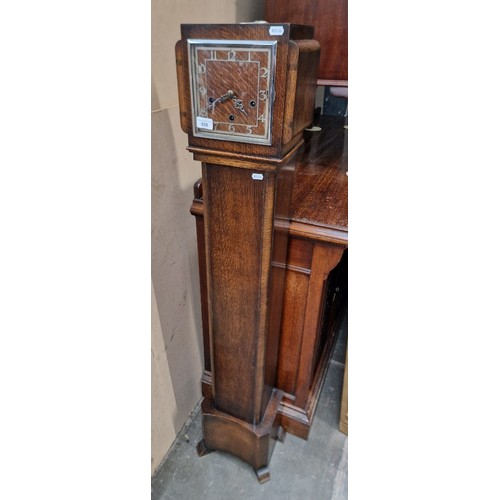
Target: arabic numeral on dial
{"type": "Point", "coordinates": [202, 90]}
{"type": "Point", "coordinates": [202, 69]}
{"type": "Point", "coordinates": [262, 118]}
{"type": "Point", "coordinates": [264, 72]}
{"type": "Point", "coordinates": [203, 113]}
{"type": "Point", "coordinates": [249, 129]}
{"type": "Point", "coordinates": [213, 54]}
{"type": "Point", "coordinates": [231, 128]}
{"type": "Point", "coordinates": [263, 95]}
{"type": "Point", "coordinates": [231, 55]}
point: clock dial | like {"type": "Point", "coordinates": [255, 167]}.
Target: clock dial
{"type": "Point", "coordinates": [232, 89]}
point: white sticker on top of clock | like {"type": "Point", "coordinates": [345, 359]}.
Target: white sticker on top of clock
{"type": "Point", "coordinates": [206, 123]}
{"type": "Point", "coordinates": [276, 30]}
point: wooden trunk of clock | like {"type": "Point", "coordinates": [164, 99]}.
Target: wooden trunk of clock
{"type": "Point", "coordinates": [242, 221]}
{"type": "Point", "coordinates": [246, 231]}
{"type": "Point", "coordinates": [314, 301]}
{"type": "Point", "coordinates": [240, 90]}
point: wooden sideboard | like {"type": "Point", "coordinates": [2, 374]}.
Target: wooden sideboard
{"type": "Point", "coordinates": [329, 18]}
{"type": "Point", "coordinates": [315, 297]}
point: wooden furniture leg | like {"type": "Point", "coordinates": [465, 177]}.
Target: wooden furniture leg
{"type": "Point", "coordinates": [343, 408]}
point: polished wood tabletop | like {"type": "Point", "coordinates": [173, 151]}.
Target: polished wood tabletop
{"type": "Point", "coordinates": [319, 203]}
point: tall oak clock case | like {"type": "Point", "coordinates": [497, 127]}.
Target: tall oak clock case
{"type": "Point", "coordinates": [246, 93]}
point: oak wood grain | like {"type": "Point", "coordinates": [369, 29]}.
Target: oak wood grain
{"type": "Point", "coordinates": [181, 88]}
{"type": "Point", "coordinates": [247, 203]}
{"type": "Point", "coordinates": [309, 227]}
{"type": "Point", "coordinates": [234, 264]}
{"type": "Point", "coordinates": [283, 92]}
{"type": "Point", "coordinates": [325, 258]}
{"type": "Point", "coordinates": [252, 443]}
{"type": "Point", "coordinates": [197, 211]}
{"type": "Point", "coordinates": [305, 93]}
{"type": "Point", "coordinates": [343, 425]}
{"type": "Point", "coordinates": [329, 18]}
{"type": "Point", "coordinates": [320, 196]}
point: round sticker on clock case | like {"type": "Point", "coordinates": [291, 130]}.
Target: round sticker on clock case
{"type": "Point", "coordinates": [276, 30]}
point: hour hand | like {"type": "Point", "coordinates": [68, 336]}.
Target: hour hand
{"type": "Point", "coordinates": [228, 95]}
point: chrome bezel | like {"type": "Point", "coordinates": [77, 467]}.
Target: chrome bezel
{"type": "Point", "coordinates": [227, 44]}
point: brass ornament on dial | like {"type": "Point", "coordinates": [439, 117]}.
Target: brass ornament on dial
{"type": "Point", "coordinates": [232, 89]}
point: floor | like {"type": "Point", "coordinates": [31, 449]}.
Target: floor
{"type": "Point", "coordinates": [300, 469]}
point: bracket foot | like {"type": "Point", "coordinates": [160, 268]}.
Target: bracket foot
{"type": "Point", "coordinates": [263, 474]}
{"type": "Point", "coordinates": [281, 435]}
{"type": "Point", "coordinates": [202, 449]}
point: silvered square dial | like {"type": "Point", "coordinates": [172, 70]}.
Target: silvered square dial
{"type": "Point", "coordinates": [232, 89]}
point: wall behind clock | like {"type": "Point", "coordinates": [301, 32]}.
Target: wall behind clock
{"type": "Point", "coordinates": [176, 341]}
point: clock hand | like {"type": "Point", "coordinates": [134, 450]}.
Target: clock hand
{"type": "Point", "coordinates": [229, 94]}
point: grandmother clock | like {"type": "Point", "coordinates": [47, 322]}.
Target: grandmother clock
{"type": "Point", "coordinates": [246, 92]}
